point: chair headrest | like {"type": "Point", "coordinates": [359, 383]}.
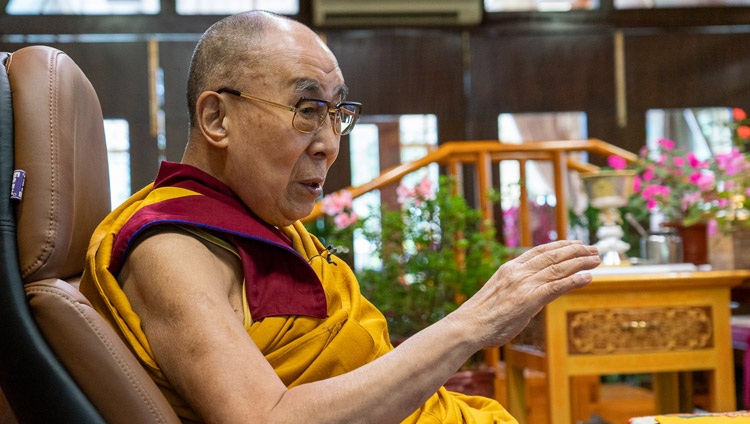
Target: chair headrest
{"type": "Point", "coordinates": [59, 143]}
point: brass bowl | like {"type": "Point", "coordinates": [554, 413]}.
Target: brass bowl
{"type": "Point", "coordinates": [609, 188]}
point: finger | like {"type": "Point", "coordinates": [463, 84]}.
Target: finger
{"type": "Point", "coordinates": [561, 254]}
{"type": "Point", "coordinates": [544, 248]}
{"type": "Point", "coordinates": [562, 286]}
{"type": "Point", "coordinates": [565, 264]}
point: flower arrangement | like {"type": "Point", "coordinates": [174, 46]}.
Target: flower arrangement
{"type": "Point", "coordinates": [672, 182]}
{"type": "Point", "coordinates": [435, 251]}
{"type": "Point", "coordinates": [732, 209]}
{"type": "Point", "coordinates": [687, 190]}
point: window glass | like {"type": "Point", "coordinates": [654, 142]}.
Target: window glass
{"type": "Point", "coordinates": [657, 4]}
{"type": "Point", "coordinates": [208, 7]}
{"type": "Point", "coordinates": [117, 133]}
{"type": "Point", "coordinates": [146, 7]}
{"type": "Point", "coordinates": [82, 7]}
{"type": "Point", "coordinates": [417, 137]}
{"type": "Point", "coordinates": [521, 127]}
{"type": "Point", "coordinates": [540, 5]}
{"type": "Point", "coordinates": [703, 131]}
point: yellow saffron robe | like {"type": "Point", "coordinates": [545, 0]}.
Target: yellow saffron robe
{"type": "Point", "coordinates": [301, 348]}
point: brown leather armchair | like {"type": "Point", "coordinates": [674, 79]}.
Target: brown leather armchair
{"type": "Point", "coordinates": [59, 360]}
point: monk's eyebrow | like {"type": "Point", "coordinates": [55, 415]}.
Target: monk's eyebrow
{"type": "Point", "coordinates": [311, 88]}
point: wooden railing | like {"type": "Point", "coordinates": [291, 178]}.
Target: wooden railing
{"type": "Point", "coordinates": [482, 155]}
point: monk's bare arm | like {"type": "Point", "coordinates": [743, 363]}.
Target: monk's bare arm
{"type": "Point", "coordinates": [183, 292]}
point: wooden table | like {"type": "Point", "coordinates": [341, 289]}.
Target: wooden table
{"type": "Point", "coordinates": [661, 323]}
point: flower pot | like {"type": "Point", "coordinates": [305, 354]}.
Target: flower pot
{"type": "Point", "coordinates": [694, 241]}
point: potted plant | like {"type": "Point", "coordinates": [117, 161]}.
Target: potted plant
{"type": "Point", "coordinates": [680, 187]}
{"type": "Point", "coordinates": [732, 210]}
{"type": "Point", "coordinates": [436, 251]}
{"type": "Point", "coordinates": [697, 197]}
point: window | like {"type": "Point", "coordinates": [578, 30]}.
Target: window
{"type": "Point", "coordinates": [82, 7]}
{"type": "Point", "coordinates": [146, 7]}
{"type": "Point", "coordinates": [703, 131]}
{"type": "Point", "coordinates": [520, 127]}
{"type": "Point", "coordinates": [417, 136]}
{"type": "Point", "coordinates": [208, 7]}
{"type": "Point", "coordinates": [659, 4]}
{"type": "Point", "coordinates": [539, 5]}
{"type": "Point", "coordinates": [117, 133]}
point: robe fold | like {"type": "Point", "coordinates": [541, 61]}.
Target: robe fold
{"type": "Point", "coordinates": [306, 315]}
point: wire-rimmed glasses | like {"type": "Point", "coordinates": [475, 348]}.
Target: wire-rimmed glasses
{"type": "Point", "coordinates": [310, 113]}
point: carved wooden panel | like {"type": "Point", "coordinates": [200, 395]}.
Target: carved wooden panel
{"type": "Point", "coordinates": [627, 330]}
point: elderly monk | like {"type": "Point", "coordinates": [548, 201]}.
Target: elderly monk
{"type": "Point", "coordinates": [234, 309]}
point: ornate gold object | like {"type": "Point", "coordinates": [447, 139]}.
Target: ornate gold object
{"type": "Point", "coordinates": [608, 191]}
{"type": "Point", "coordinates": [607, 331]}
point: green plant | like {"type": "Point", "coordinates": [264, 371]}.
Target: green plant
{"type": "Point", "coordinates": [435, 250]}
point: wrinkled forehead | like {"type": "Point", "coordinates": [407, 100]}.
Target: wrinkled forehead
{"type": "Point", "coordinates": [300, 61]}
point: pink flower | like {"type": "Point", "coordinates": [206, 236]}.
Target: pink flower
{"type": "Point", "coordinates": [690, 199]}
{"type": "Point", "coordinates": [695, 163]}
{"type": "Point", "coordinates": [655, 191]}
{"type": "Point", "coordinates": [731, 163]}
{"type": "Point", "coordinates": [616, 162]}
{"type": "Point", "coordinates": [678, 161]}
{"type": "Point", "coordinates": [421, 192]}
{"type": "Point", "coordinates": [739, 114]}
{"type": "Point", "coordinates": [344, 220]}
{"type": "Point", "coordinates": [336, 203]}
{"type": "Point", "coordinates": [423, 189]}
{"type": "Point", "coordinates": [666, 143]}
{"type": "Point", "coordinates": [648, 174]}
{"type": "Point", "coordinates": [404, 193]}
{"type": "Point", "coordinates": [704, 180]}
{"type": "Point", "coordinates": [707, 181]}
{"type": "Point", "coordinates": [637, 183]}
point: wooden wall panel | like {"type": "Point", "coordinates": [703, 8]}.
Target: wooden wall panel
{"type": "Point", "coordinates": [539, 73]}
{"type": "Point", "coordinates": [683, 70]}
{"type": "Point", "coordinates": [405, 71]}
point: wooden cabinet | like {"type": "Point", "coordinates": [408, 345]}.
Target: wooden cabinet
{"type": "Point", "coordinates": [639, 323]}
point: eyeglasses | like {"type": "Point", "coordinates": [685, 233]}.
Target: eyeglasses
{"type": "Point", "coordinates": [309, 114]}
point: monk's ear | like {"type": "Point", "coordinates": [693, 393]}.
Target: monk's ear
{"type": "Point", "coordinates": [210, 111]}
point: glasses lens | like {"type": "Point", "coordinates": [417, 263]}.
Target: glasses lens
{"type": "Point", "coordinates": [309, 115]}
{"type": "Point", "coordinates": [346, 116]}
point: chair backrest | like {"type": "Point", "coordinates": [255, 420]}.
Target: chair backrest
{"type": "Point", "coordinates": [59, 360]}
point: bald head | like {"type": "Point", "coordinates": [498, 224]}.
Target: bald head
{"type": "Point", "coordinates": [229, 51]}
